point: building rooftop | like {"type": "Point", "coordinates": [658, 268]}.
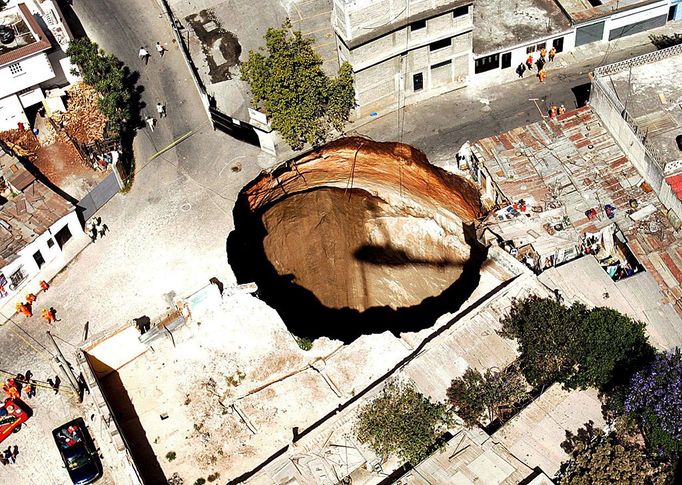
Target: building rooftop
{"type": "Point", "coordinates": [28, 39]}
{"type": "Point", "coordinates": [29, 208]}
{"type": "Point", "coordinates": [573, 163]}
{"type": "Point", "coordinates": [652, 97]}
{"type": "Point", "coordinates": [504, 24]}
{"type": "Point", "coordinates": [583, 10]}
{"type": "Point", "coordinates": [535, 434]}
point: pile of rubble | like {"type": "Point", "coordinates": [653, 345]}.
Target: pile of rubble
{"type": "Point", "coordinates": [23, 142]}
{"type": "Point", "coordinates": [83, 120]}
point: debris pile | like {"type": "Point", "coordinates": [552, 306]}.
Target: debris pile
{"type": "Point", "coordinates": [23, 142]}
{"type": "Point", "coordinates": [83, 120]}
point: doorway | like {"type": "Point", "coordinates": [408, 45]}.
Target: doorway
{"type": "Point", "coordinates": [418, 81]}
{"type": "Point", "coordinates": [558, 44]}
{"type": "Point", "coordinates": [38, 258]}
{"type": "Point", "coordinates": [506, 60]}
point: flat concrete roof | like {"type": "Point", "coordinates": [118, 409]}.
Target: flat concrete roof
{"type": "Point", "coordinates": [29, 38]}
{"type": "Point", "coordinates": [583, 10]}
{"type": "Point", "coordinates": [501, 25]}
{"type": "Point", "coordinates": [652, 94]}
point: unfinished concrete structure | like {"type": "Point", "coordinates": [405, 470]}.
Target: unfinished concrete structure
{"type": "Point", "coordinates": [403, 51]}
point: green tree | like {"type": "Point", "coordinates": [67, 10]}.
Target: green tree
{"type": "Point", "coordinates": [288, 83]}
{"type": "Point", "coordinates": [108, 76]}
{"type": "Point", "coordinates": [402, 421]}
{"type": "Point", "coordinates": [574, 345]}
{"type": "Point", "coordinates": [598, 458]}
{"type": "Point", "coordinates": [493, 394]}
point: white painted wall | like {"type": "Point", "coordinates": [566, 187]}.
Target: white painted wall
{"type": "Point", "coordinates": [34, 70]}
{"type": "Point", "coordinates": [53, 256]}
{"type": "Point", "coordinates": [635, 15]}
{"type": "Point", "coordinates": [11, 113]}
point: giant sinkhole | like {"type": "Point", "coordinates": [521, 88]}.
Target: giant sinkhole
{"type": "Point", "coordinates": [358, 237]}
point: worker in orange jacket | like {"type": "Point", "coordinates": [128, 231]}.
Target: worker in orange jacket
{"type": "Point", "coordinates": [542, 75]}
{"type": "Point", "coordinates": [30, 298]}
{"type": "Point", "coordinates": [44, 286]}
{"type": "Point", "coordinates": [24, 309]}
{"type": "Point", "coordinates": [48, 315]}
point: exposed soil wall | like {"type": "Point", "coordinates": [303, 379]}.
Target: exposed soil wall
{"type": "Point", "coordinates": [358, 237]}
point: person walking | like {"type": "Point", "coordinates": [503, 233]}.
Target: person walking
{"type": "Point", "coordinates": [543, 53]}
{"type": "Point", "coordinates": [102, 229]}
{"type": "Point", "coordinates": [15, 452]}
{"type": "Point", "coordinates": [54, 384]}
{"type": "Point", "coordinates": [542, 75]}
{"type": "Point", "coordinates": [8, 455]}
{"type": "Point", "coordinates": [150, 122]}
{"type": "Point", "coordinates": [48, 315]}
{"type": "Point", "coordinates": [529, 62]}
{"type": "Point", "coordinates": [160, 49]}
{"type": "Point", "coordinates": [552, 53]}
{"type": "Point", "coordinates": [143, 55]}
{"type": "Point", "coordinates": [521, 69]}
{"type": "Point", "coordinates": [44, 286]}
{"type": "Point", "coordinates": [161, 109]}
{"type": "Point", "coordinates": [30, 298]}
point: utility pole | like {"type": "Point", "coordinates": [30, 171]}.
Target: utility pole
{"type": "Point", "coordinates": [65, 367]}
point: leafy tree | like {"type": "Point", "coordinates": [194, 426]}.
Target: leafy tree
{"type": "Point", "coordinates": [108, 76]}
{"type": "Point", "coordinates": [546, 334]}
{"type": "Point", "coordinates": [493, 393]}
{"type": "Point", "coordinates": [598, 458]}
{"type": "Point", "coordinates": [402, 421]}
{"type": "Point", "coordinates": [574, 345]}
{"type": "Point", "coordinates": [288, 83]}
{"type": "Point", "coordinates": [655, 399]}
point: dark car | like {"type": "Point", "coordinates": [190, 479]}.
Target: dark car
{"type": "Point", "coordinates": [78, 452]}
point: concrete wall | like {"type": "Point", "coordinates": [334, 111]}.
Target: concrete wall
{"type": "Point", "coordinates": [34, 70]}
{"type": "Point", "coordinates": [51, 255]}
{"type": "Point", "coordinates": [384, 68]}
{"type": "Point", "coordinates": [352, 18]}
{"type": "Point", "coordinates": [519, 54]}
{"type": "Point", "coordinates": [11, 113]}
{"type": "Point", "coordinates": [609, 111]}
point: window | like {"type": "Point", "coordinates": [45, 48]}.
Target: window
{"type": "Point", "coordinates": [541, 46]}
{"type": "Point", "coordinates": [530, 49]}
{"type": "Point", "coordinates": [487, 63]}
{"type": "Point", "coordinates": [441, 64]}
{"type": "Point", "coordinates": [38, 258]}
{"type": "Point", "coordinates": [418, 25]}
{"type": "Point", "coordinates": [461, 11]}
{"type": "Point", "coordinates": [15, 69]}
{"type": "Point", "coordinates": [50, 243]}
{"type": "Point", "coordinates": [418, 81]}
{"type": "Point", "coordinates": [17, 277]}
{"type": "Point", "coordinates": [441, 44]}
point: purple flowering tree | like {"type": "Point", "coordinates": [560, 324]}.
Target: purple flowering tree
{"type": "Point", "coordinates": [655, 398]}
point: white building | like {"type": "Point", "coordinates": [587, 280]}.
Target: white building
{"type": "Point", "coordinates": [35, 225]}
{"type": "Point", "coordinates": [33, 39]}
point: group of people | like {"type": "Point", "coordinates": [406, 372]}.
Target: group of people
{"type": "Point", "coordinates": [95, 228]}
{"type": "Point", "coordinates": [14, 386]}
{"type": "Point", "coordinates": [144, 54]}
{"type": "Point", "coordinates": [539, 63]}
{"type": "Point", "coordinates": [555, 110]}
{"type": "Point", "coordinates": [26, 308]}
{"type": "Point", "coordinates": [9, 456]}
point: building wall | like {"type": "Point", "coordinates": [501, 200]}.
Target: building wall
{"type": "Point", "coordinates": [11, 113]}
{"type": "Point", "coordinates": [385, 68]}
{"type": "Point", "coordinates": [519, 54]}
{"type": "Point", "coordinates": [25, 73]}
{"type": "Point", "coordinates": [353, 18]}
{"type": "Point", "coordinates": [51, 255]}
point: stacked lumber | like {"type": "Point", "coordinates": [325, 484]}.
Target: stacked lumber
{"type": "Point", "coordinates": [83, 120]}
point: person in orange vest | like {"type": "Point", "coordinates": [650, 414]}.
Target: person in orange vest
{"type": "Point", "coordinates": [44, 286]}
{"type": "Point", "coordinates": [529, 62]}
{"type": "Point", "coordinates": [48, 315]}
{"type": "Point", "coordinates": [552, 53]}
{"type": "Point", "coordinates": [553, 111]}
{"type": "Point", "coordinates": [24, 309]}
{"type": "Point", "coordinates": [562, 109]}
{"type": "Point", "coordinates": [542, 75]}
{"type": "Point", "coordinates": [543, 53]}
{"type": "Point", "coordinates": [30, 298]}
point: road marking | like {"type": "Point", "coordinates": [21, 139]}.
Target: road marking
{"type": "Point", "coordinates": [172, 144]}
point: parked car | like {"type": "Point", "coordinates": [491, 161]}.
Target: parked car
{"type": "Point", "coordinates": [13, 413]}
{"type": "Point", "coordinates": [78, 452]}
